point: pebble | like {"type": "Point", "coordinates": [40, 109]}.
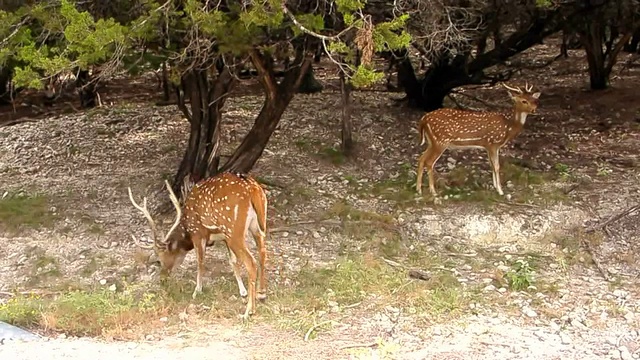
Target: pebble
{"type": "Point", "coordinates": [625, 354]}
{"type": "Point", "coordinates": [565, 339]}
{"type": "Point", "coordinates": [489, 288]}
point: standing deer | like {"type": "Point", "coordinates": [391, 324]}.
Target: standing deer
{"type": "Point", "coordinates": [223, 207]}
{"type": "Point", "coordinates": [455, 129]}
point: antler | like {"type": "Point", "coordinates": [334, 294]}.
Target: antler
{"type": "Point", "coordinates": [527, 88]}
{"type": "Point", "coordinates": [176, 204]}
{"type": "Point", "coordinates": [152, 224]}
{"type": "Point", "coordinates": [516, 89]}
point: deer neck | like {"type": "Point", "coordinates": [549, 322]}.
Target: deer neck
{"type": "Point", "coordinates": [516, 120]}
{"type": "Point", "coordinates": [519, 117]}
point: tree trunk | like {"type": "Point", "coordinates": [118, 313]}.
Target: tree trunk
{"type": "Point", "coordinates": [6, 91]}
{"type": "Point", "coordinates": [429, 92]}
{"type": "Point", "coordinates": [346, 134]}
{"type": "Point", "coordinates": [207, 97]}
{"type": "Point", "coordinates": [592, 38]}
{"type": "Point", "coordinates": [309, 83]}
{"type": "Point", "coordinates": [277, 98]}
{"type": "Point", "coordinates": [166, 91]}
{"type": "Point", "coordinates": [632, 46]}
{"type": "Point", "coordinates": [86, 89]}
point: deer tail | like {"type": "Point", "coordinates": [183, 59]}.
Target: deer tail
{"type": "Point", "coordinates": [259, 204]}
{"type": "Point", "coordinates": [421, 130]}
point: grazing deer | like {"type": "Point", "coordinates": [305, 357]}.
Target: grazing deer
{"type": "Point", "coordinates": [223, 207]}
{"type": "Point", "coordinates": [453, 128]}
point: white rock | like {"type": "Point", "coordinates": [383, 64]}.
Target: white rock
{"type": "Point", "coordinates": [625, 354]}
{"type": "Point", "coordinates": [103, 281]}
{"type": "Point", "coordinates": [489, 288]}
{"type": "Point", "coordinates": [629, 316]}
{"type": "Point", "coordinates": [565, 339]}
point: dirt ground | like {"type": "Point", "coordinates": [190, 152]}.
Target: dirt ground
{"type": "Point", "coordinates": [574, 168]}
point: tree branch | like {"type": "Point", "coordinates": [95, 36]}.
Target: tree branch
{"type": "Point", "coordinates": [266, 77]}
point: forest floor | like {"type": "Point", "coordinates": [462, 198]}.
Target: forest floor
{"type": "Point", "coordinates": [550, 271]}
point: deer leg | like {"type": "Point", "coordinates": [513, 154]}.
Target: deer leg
{"type": "Point", "coordinates": [235, 265]}
{"type": "Point", "coordinates": [421, 170]}
{"type": "Point", "coordinates": [245, 256]}
{"type": "Point", "coordinates": [200, 245]}
{"type": "Point", "coordinates": [259, 236]}
{"type": "Point", "coordinates": [254, 228]}
{"type": "Point", "coordinates": [494, 159]}
{"type": "Point", "coordinates": [430, 157]}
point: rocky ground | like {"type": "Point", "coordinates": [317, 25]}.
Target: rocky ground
{"type": "Point", "coordinates": [571, 172]}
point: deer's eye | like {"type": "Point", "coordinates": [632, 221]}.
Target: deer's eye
{"type": "Point", "coordinates": [524, 101]}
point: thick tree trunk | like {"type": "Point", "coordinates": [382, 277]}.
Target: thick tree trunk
{"type": "Point", "coordinates": [277, 98]}
{"type": "Point", "coordinates": [309, 83]}
{"type": "Point", "coordinates": [347, 133]}
{"type": "Point", "coordinates": [429, 92]}
{"type": "Point", "coordinates": [632, 45]}
{"type": "Point", "coordinates": [602, 51]}
{"type": "Point", "coordinates": [206, 99]}
{"type": "Point", "coordinates": [86, 89]}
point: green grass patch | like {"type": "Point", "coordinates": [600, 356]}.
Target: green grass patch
{"type": "Point", "coordinates": [123, 310]}
{"type": "Point", "coordinates": [26, 211]}
{"type": "Point", "coordinates": [333, 155]}
{"type": "Point", "coordinates": [399, 187]}
{"type": "Point", "coordinates": [522, 184]}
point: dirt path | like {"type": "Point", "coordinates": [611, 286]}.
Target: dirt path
{"type": "Point", "coordinates": [479, 337]}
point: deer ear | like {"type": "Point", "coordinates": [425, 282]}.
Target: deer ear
{"type": "Point", "coordinates": [536, 95]}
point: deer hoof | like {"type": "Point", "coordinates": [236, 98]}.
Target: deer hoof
{"type": "Point", "coordinates": [261, 296]}
{"type": "Point", "coordinates": [195, 293]}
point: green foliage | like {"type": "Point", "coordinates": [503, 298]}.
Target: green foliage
{"type": "Point", "coordinates": [385, 37]}
{"type": "Point", "coordinates": [312, 22]}
{"type": "Point", "coordinates": [544, 3]}
{"type": "Point", "coordinates": [46, 39]}
{"type": "Point", "coordinates": [349, 6]}
{"type": "Point", "coordinates": [520, 277]}
{"type": "Point", "coordinates": [364, 76]}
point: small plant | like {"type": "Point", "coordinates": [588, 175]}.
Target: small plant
{"type": "Point", "coordinates": [520, 276]}
{"type": "Point", "coordinates": [563, 170]}
{"type": "Point", "coordinates": [603, 170]}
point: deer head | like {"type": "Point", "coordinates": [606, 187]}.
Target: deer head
{"type": "Point", "coordinates": [525, 101]}
{"type": "Point", "coordinates": [167, 247]}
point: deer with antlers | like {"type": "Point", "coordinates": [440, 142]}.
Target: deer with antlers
{"type": "Point", "coordinates": [224, 207]}
{"type": "Point", "coordinates": [454, 129]}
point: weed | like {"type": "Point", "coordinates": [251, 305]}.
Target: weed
{"type": "Point", "coordinates": [520, 276]}
{"type": "Point", "coordinates": [563, 171]}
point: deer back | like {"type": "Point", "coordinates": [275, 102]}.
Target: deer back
{"type": "Point", "coordinates": [465, 127]}
{"type": "Point", "coordinates": [220, 203]}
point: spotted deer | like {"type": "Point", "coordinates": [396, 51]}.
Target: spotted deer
{"type": "Point", "coordinates": [458, 129]}
{"type": "Point", "coordinates": [224, 207]}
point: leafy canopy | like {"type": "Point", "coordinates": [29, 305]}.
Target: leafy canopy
{"type": "Point", "coordinates": [44, 39]}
